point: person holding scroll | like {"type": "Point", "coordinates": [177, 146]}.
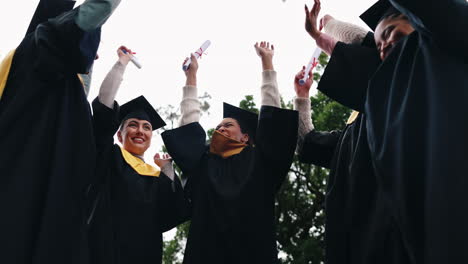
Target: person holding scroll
{"type": "Point", "coordinates": [232, 182]}
{"type": "Point", "coordinates": [46, 127]}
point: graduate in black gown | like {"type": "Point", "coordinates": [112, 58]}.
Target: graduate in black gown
{"type": "Point", "coordinates": [47, 137]}
{"type": "Point", "coordinates": [411, 103]}
{"type": "Point", "coordinates": [232, 182]}
{"type": "Point", "coordinates": [136, 202]}
{"type": "Point", "coordinates": [133, 202]}
{"type": "Point", "coordinates": [415, 122]}
{"type": "Point", "coordinates": [350, 206]}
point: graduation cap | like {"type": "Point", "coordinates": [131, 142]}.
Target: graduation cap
{"type": "Point", "coordinates": [140, 108]}
{"type": "Point", "coordinates": [376, 12]}
{"type": "Point", "coordinates": [246, 119]}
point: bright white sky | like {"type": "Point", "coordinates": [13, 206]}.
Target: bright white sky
{"type": "Point", "coordinates": [164, 32]}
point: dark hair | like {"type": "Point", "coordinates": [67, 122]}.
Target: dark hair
{"type": "Point", "coordinates": [243, 130]}
{"type": "Point", "coordinates": [392, 13]}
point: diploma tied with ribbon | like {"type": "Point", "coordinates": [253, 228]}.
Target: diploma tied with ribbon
{"type": "Point", "coordinates": [312, 63]}
{"type": "Point", "coordinates": [197, 54]}
{"type": "Point", "coordinates": [133, 59]}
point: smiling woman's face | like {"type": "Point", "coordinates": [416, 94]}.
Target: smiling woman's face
{"type": "Point", "coordinates": [135, 136]}
{"type": "Point", "coordinates": [389, 31]}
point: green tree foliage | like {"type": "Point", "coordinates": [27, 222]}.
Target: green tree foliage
{"type": "Point", "coordinates": [300, 201]}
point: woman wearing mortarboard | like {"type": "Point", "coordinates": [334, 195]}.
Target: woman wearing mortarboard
{"type": "Point", "coordinates": [45, 125]}
{"type": "Point", "coordinates": [133, 203]}
{"type": "Point", "coordinates": [351, 186]}
{"type": "Point", "coordinates": [412, 106]}
{"type": "Point", "coordinates": [232, 182]}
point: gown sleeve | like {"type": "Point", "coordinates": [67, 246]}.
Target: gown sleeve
{"type": "Point", "coordinates": [173, 206]}
{"type": "Point", "coordinates": [186, 145]}
{"type": "Point", "coordinates": [62, 48]}
{"type": "Point", "coordinates": [347, 74]}
{"type": "Point", "coordinates": [276, 141]}
{"type": "Point", "coordinates": [319, 147]}
{"type": "Point", "coordinates": [105, 124]}
{"type": "Point", "coordinates": [445, 21]}
{"type": "Point", "coordinates": [48, 9]}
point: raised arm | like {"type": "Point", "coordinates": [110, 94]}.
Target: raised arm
{"type": "Point", "coordinates": [326, 42]}
{"type": "Point", "coordinates": [335, 30]}
{"type": "Point", "coordinates": [302, 105]}
{"type": "Point", "coordinates": [343, 31]}
{"type": "Point", "coordinates": [186, 144]}
{"type": "Point", "coordinates": [93, 14]}
{"type": "Point", "coordinates": [190, 106]}
{"type": "Point", "coordinates": [105, 109]}
{"type": "Point", "coordinates": [269, 89]}
{"type": "Point", "coordinates": [312, 146]}
{"type": "Point", "coordinates": [68, 43]}
{"type": "Point", "coordinates": [114, 77]}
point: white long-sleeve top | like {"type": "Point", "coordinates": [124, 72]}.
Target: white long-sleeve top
{"type": "Point", "coordinates": [190, 105]}
{"type": "Point", "coordinates": [111, 84]}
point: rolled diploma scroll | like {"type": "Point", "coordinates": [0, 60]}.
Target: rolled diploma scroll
{"type": "Point", "coordinates": [133, 59]}
{"type": "Point", "coordinates": [198, 54]}
{"type": "Point", "coordinates": [313, 62]}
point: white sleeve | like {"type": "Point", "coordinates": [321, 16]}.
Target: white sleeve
{"type": "Point", "coordinates": [345, 32]}
{"type": "Point", "coordinates": [189, 106]}
{"type": "Point", "coordinates": [302, 105]}
{"type": "Point", "coordinates": [269, 89]}
{"type": "Point", "coordinates": [111, 84]}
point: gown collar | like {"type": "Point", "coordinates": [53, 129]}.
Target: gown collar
{"type": "Point", "coordinates": [224, 146]}
{"type": "Point", "coordinates": [139, 165]}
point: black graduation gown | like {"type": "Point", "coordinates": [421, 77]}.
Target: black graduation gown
{"type": "Point", "coordinates": [47, 142]}
{"type": "Point", "coordinates": [416, 114]}
{"type": "Point", "coordinates": [413, 105]}
{"type": "Point", "coordinates": [357, 229]}
{"type": "Point", "coordinates": [357, 226]}
{"type": "Point", "coordinates": [233, 199]}
{"type": "Point", "coordinates": [130, 211]}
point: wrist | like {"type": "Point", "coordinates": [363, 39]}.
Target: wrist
{"type": "Point", "coordinates": [191, 80]}
{"type": "Point", "coordinates": [267, 63]}
{"type": "Point", "coordinates": [123, 62]}
{"type": "Point", "coordinates": [315, 34]}
{"type": "Point", "coordinates": [303, 95]}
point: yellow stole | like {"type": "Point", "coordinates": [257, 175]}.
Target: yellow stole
{"type": "Point", "coordinates": [352, 117]}
{"type": "Point", "coordinates": [139, 166]}
{"type": "Point", "coordinates": [225, 146]}
{"type": "Point", "coordinates": [5, 70]}
{"type": "Point", "coordinates": [81, 80]}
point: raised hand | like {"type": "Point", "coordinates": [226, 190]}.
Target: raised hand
{"type": "Point", "coordinates": [265, 52]}
{"type": "Point", "coordinates": [162, 160]}
{"type": "Point", "coordinates": [191, 72]}
{"type": "Point", "coordinates": [311, 20]}
{"type": "Point", "coordinates": [302, 90]}
{"type": "Point", "coordinates": [264, 49]}
{"type": "Point", "coordinates": [124, 58]}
